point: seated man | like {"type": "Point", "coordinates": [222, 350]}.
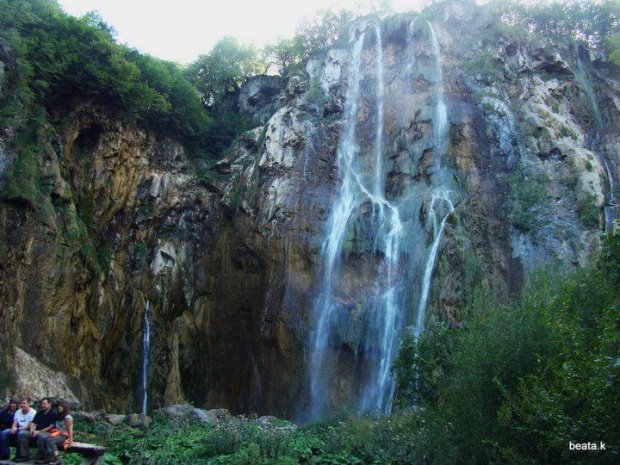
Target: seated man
{"type": "Point", "coordinates": [21, 424]}
{"type": "Point", "coordinates": [6, 421]}
{"type": "Point", "coordinates": [42, 423]}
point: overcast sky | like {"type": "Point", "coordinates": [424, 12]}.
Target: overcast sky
{"type": "Point", "coordinates": [180, 30]}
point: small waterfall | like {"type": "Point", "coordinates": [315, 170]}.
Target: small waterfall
{"type": "Point", "coordinates": [146, 347]}
{"type": "Point", "coordinates": [583, 76]}
{"type": "Point", "coordinates": [611, 204]}
{"type": "Point", "coordinates": [438, 227]}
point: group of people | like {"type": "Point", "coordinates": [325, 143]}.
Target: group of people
{"type": "Point", "coordinates": [24, 427]}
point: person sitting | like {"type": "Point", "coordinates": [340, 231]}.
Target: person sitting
{"type": "Point", "coordinates": [42, 422]}
{"type": "Point", "coordinates": [62, 434]}
{"type": "Point", "coordinates": [21, 424]}
{"type": "Point", "coordinates": [6, 421]}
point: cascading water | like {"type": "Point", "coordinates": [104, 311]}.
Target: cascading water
{"type": "Point", "coordinates": [362, 204]}
{"type": "Point", "coordinates": [584, 78]}
{"type": "Point", "coordinates": [146, 348]}
{"type": "Point", "coordinates": [378, 185]}
{"type": "Point", "coordinates": [342, 210]}
{"type": "Point", "coordinates": [440, 122]}
{"type": "Point", "coordinates": [441, 193]}
{"type": "Point", "coordinates": [438, 227]}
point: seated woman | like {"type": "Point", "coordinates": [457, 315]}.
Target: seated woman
{"type": "Point", "coordinates": [6, 422]}
{"type": "Point", "coordinates": [62, 434]}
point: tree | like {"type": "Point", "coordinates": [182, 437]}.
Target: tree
{"type": "Point", "coordinates": [322, 30]}
{"type": "Point", "coordinates": [224, 69]}
{"type": "Point", "coordinates": [282, 54]}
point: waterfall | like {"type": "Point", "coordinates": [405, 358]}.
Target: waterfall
{"type": "Point", "coordinates": [361, 210]}
{"type": "Point", "coordinates": [440, 123]}
{"type": "Point", "coordinates": [441, 193]}
{"type": "Point", "coordinates": [438, 227]}
{"type": "Point", "coordinates": [583, 75]}
{"type": "Point", "coordinates": [146, 346]}
{"type": "Point", "coordinates": [341, 212]}
{"type": "Point", "coordinates": [379, 175]}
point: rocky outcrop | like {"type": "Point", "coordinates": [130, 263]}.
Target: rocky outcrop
{"type": "Point", "coordinates": [32, 378]}
{"type": "Point", "coordinates": [104, 216]}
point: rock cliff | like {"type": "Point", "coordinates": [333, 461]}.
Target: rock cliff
{"type": "Point", "coordinates": [102, 216]}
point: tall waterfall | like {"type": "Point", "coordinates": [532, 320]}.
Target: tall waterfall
{"type": "Point", "coordinates": [393, 260]}
{"type": "Point", "coordinates": [146, 348]}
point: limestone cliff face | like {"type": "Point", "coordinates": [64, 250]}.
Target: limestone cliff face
{"type": "Point", "coordinates": [230, 261]}
{"type": "Point", "coordinates": [88, 222]}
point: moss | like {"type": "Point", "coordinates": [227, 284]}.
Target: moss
{"type": "Point", "coordinates": [588, 211]}
{"type": "Point", "coordinates": [486, 65]}
{"type": "Point", "coordinates": [528, 198]}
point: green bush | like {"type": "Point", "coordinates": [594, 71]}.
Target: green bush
{"type": "Point", "coordinates": [56, 60]}
{"type": "Point", "coordinates": [527, 201]}
{"type": "Point", "coordinates": [522, 378]}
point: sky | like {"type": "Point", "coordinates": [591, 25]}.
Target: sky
{"type": "Point", "coordinates": [180, 30]}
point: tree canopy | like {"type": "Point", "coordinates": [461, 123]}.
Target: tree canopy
{"type": "Point", "coordinates": [55, 59]}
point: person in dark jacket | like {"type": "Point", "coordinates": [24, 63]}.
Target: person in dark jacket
{"type": "Point", "coordinates": [6, 415]}
{"type": "Point", "coordinates": [6, 422]}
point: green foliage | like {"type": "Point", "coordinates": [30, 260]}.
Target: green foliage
{"type": "Point", "coordinates": [587, 21]}
{"type": "Point", "coordinates": [55, 60]}
{"type": "Point", "coordinates": [614, 46]}
{"type": "Point", "coordinates": [523, 378]}
{"type": "Point", "coordinates": [486, 65]}
{"type": "Point", "coordinates": [322, 31]}
{"type": "Point", "coordinates": [283, 54]}
{"type": "Point", "coordinates": [223, 70]}
{"type": "Point", "coordinates": [421, 365]}
{"type": "Point", "coordinates": [588, 211]}
{"type": "Point", "coordinates": [527, 201]}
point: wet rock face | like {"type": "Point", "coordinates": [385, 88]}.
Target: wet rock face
{"type": "Point", "coordinates": [230, 265]}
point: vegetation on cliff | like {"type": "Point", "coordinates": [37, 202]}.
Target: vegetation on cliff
{"type": "Point", "coordinates": [54, 61]}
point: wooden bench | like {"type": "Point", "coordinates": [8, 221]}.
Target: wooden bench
{"type": "Point", "coordinates": [91, 454]}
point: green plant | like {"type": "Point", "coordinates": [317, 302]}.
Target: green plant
{"type": "Point", "coordinates": [588, 211]}
{"type": "Point", "coordinates": [485, 64]}
{"type": "Point", "coordinates": [528, 198]}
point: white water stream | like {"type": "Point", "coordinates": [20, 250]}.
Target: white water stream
{"type": "Point", "coordinates": [358, 190]}
{"type": "Point", "coordinates": [146, 348]}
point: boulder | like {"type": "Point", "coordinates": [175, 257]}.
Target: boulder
{"type": "Point", "coordinates": [137, 420]}
{"type": "Point", "coordinates": [32, 378]}
{"type": "Point", "coordinates": [217, 414]}
{"type": "Point", "coordinates": [266, 419]}
{"type": "Point", "coordinates": [116, 420]}
{"type": "Point", "coordinates": [85, 417]}
{"type": "Point", "coordinates": [101, 415]}
{"type": "Point", "coordinates": [180, 413]}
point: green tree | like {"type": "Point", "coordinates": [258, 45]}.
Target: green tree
{"type": "Point", "coordinates": [224, 69]}
{"type": "Point", "coordinates": [322, 30]}
{"type": "Point", "coordinates": [282, 54]}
